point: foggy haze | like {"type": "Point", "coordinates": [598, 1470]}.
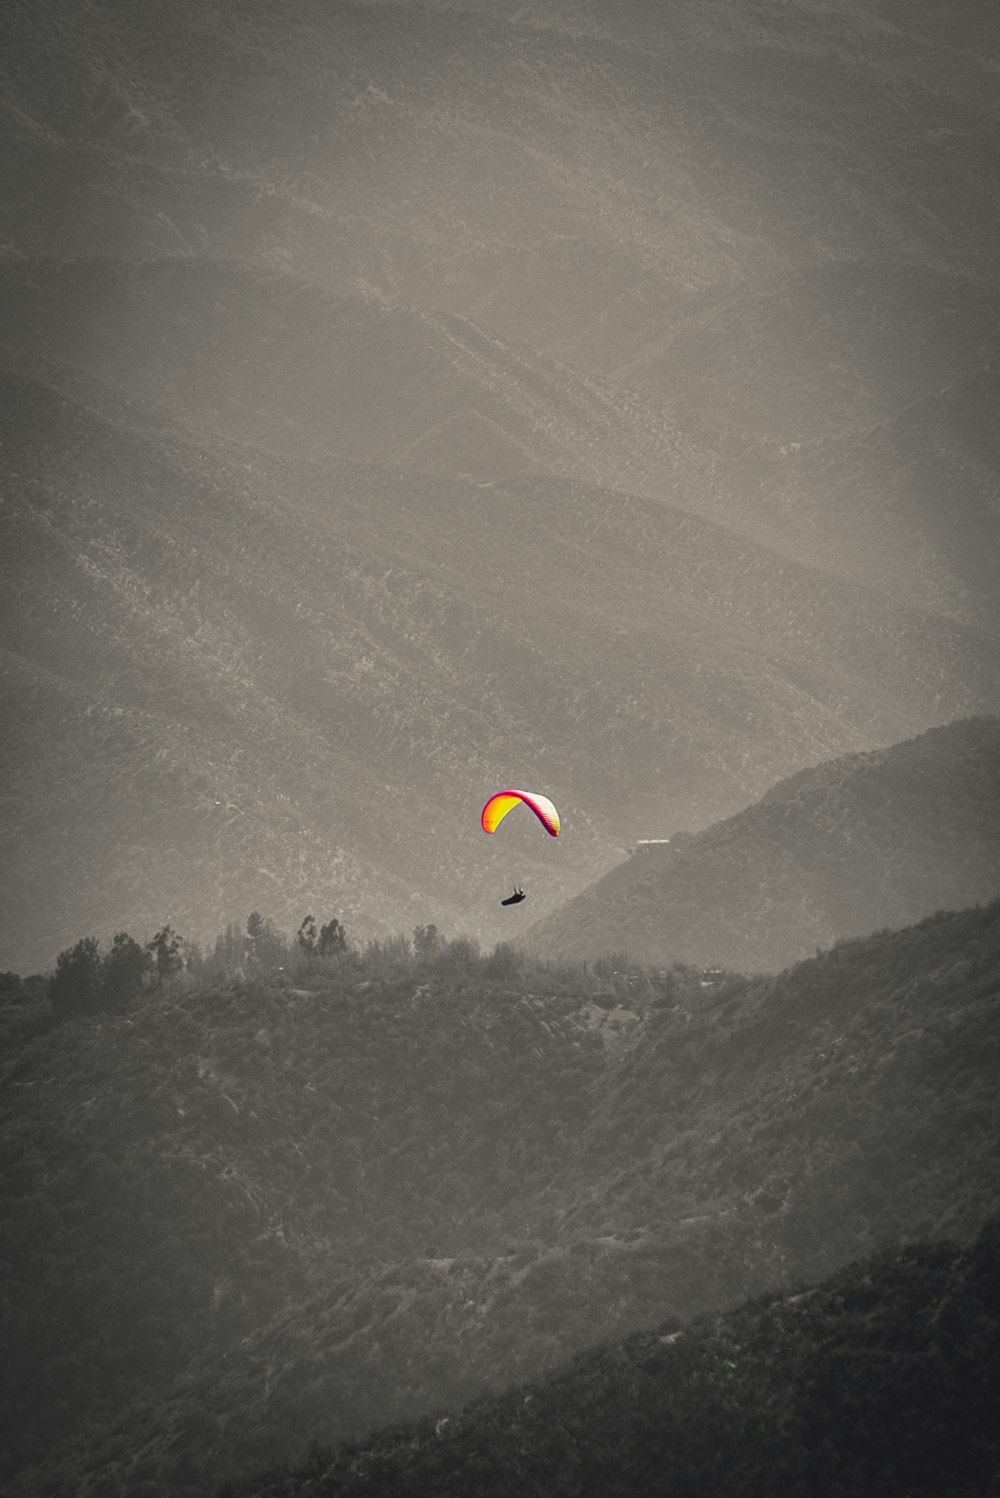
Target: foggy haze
{"type": "Point", "coordinates": [401, 402]}
{"type": "Point", "coordinates": [405, 401]}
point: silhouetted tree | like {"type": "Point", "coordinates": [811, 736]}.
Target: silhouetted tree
{"type": "Point", "coordinates": [166, 950]}
{"type": "Point", "coordinates": [255, 928]}
{"type": "Point", "coordinates": [123, 971]}
{"type": "Point", "coordinates": [427, 941]}
{"type": "Point", "coordinates": [266, 945]}
{"type": "Point", "coordinates": [230, 949]}
{"type": "Point", "coordinates": [75, 986]}
{"type": "Point", "coordinates": [332, 939]}
{"type": "Point", "coordinates": [193, 958]}
{"type": "Point", "coordinates": [307, 935]}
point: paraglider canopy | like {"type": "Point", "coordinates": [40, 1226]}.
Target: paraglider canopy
{"type": "Point", "coordinates": [499, 805]}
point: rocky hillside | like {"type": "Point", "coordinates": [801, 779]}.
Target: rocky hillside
{"type": "Point", "coordinates": [879, 1382]}
{"type": "Point", "coordinates": [237, 1219]}
{"type": "Point", "coordinates": [869, 840]}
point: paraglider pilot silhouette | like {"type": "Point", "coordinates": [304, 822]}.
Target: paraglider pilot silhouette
{"type": "Point", "coordinates": [497, 808]}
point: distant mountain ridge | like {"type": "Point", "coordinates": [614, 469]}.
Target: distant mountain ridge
{"type": "Point", "coordinates": [874, 839]}
{"type": "Point", "coordinates": [485, 256]}
{"type": "Point", "coordinates": [233, 675]}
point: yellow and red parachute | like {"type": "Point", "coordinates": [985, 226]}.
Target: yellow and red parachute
{"type": "Point", "coordinates": [499, 805]}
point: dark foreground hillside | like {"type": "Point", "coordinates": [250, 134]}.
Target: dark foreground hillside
{"type": "Point", "coordinates": [883, 1380]}
{"type": "Point", "coordinates": [241, 1217]}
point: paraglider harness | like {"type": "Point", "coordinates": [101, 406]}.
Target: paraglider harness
{"type": "Point", "coordinates": [515, 898]}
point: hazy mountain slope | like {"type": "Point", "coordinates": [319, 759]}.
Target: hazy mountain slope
{"type": "Point", "coordinates": [211, 675]}
{"type": "Point", "coordinates": [465, 141]}
{"type": "Point", "coordinates": [875, 839]}
{"type": "Point", "coordinates": [896, 489]}
{"type": "Point", "coordinates": [827, 351]}
{"type": "Point", "coordinates": [782, 221]}
{"type": "Point", "coordinates": [265, 357]}
{"type": "Point", "coordinates": [880, 1381]}
{"type": "Point", "coordinates": [407, 1191]}
{"type": "Point", "coordinates": [331, 652]}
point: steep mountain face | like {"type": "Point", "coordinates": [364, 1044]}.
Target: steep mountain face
{"type": "Point", "coordinates": [240, 1218]}
{"type": "Point", "coordinates": [266, 358]}
{"type": "Point", "coordinates": [492, 148]}
{"type": "Point", "coordinates": [887, 490]}
{"type": "Point", "coordinates": [874, 839]}
{"type": "Point", "coordinates": [242, 680]}
{"type": "Point", "coordinates": [756, 234]}
{"type": "Point", "coordinates": [489, 393]}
